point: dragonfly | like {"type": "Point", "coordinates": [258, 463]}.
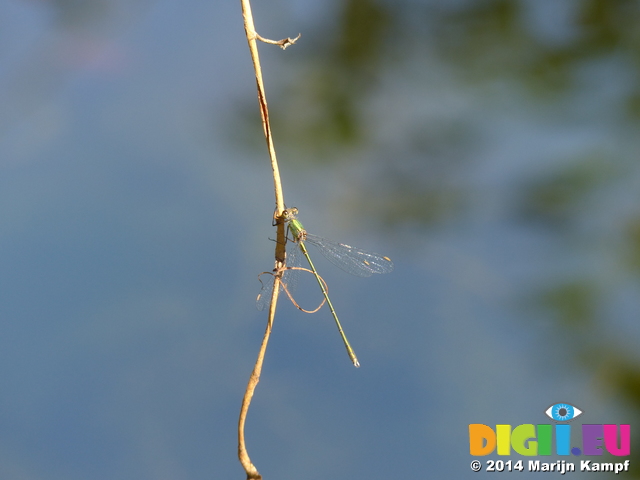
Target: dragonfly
{"type": "Point", "coordinates": [350, 259]}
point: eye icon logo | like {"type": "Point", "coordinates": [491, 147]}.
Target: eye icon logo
{"type": "Point", "coordinates": [562, 412]}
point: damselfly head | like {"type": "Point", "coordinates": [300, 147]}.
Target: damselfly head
{"type": "Point", "coordinates": [289, 214]}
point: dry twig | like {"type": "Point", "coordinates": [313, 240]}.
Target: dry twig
{"type": "Point", "coordinates": [280, 257]}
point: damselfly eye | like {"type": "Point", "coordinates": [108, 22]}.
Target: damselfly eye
{"type": "Point", "coordinates": [562, 412]}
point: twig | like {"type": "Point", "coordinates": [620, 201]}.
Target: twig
{"type": "Point", "coordinates": [284, 43]}
{"type": "Point", "coordinates": [280, 255]}
{"type": "Point", "coordinates": [243, 456]}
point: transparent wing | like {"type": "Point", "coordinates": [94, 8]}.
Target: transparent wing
{"type": "Point", "coordinates": [294, 259]}
{"type": "Point", "coordinates": [289, 277]}
{"type": "Point", "coordinates": [264, 297]}
{"type": "Point", "coordinates": [351, 259]}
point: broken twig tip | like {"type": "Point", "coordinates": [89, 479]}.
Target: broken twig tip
{"type": "Point", "coordinates": [289, 41]}
{"type": "Point", "coordinates": [284, 43]}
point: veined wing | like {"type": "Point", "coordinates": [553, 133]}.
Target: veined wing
{"type": "Point", "coordinates": [289, 278]}
{"type": "Point", "coordinates": [351, 259]}
{"type": "Point", "coordinates": [264, 297]}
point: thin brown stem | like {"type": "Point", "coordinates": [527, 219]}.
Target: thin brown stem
{"type": "Point", "coordinates": [243, 455]}
{"type": "Point", "coordinates": [280, 256]}
{"type": "Point", "coordinates": [252, 36]}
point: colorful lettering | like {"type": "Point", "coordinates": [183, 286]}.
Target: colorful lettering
{"type": "Point", "coordinates": [592, 439]}
{"type": "Point", "coordinates": [544, 439]}
{"type": "Point", "coordinates": [530, 440]}
{"type": "Point", "coordinates": [478, 435]}
{"type": "Point", "coordinates": [523, 440]}
{"type": "Point", "coordinates": [563, 439]}
{"type": "Point", "coordinates": [611, 436]}
{"type": "Point", "coordinates": [503, 434]}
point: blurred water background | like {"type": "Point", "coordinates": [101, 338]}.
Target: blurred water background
{"type": "Point", "coordinates": [490, 147]}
